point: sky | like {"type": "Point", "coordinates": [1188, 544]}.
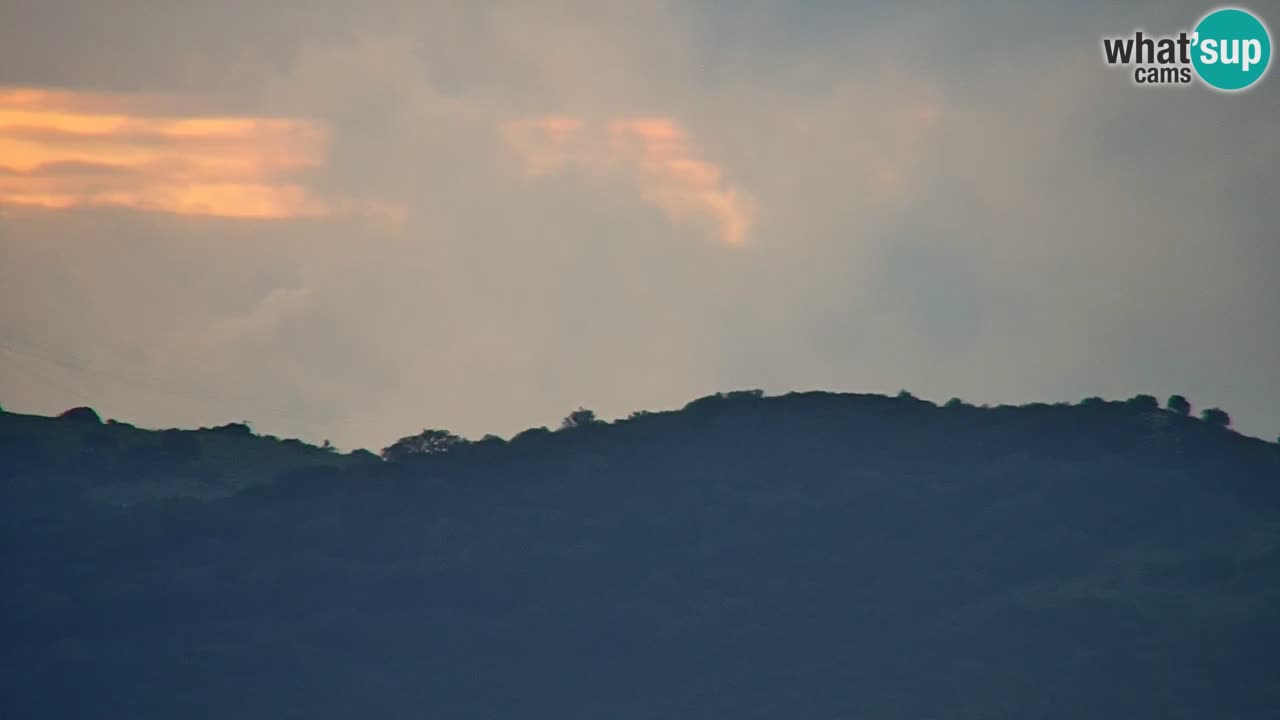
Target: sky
{"type": "Point", "coordinates": [352, 220]}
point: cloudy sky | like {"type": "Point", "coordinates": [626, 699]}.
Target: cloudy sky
{"type": "Point", "coordinates": [354, 219]}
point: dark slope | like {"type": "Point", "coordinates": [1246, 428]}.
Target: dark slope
{"type": "Point", "coordinates": [808, 556]}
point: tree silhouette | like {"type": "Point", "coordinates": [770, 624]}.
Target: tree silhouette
{"type": "Point", "coordinates": [581, 417]}
{"type": "Point", "coordinates": [240, 428]}
{"type": "Point", "coordinates": [1216, 417]}
{"type": "Point", "coordinates": [1179, 405]}
{"type": "Point", "coordinates": [530, 434]}
{"type": "Point", "coordinates": [82, 414]}
{"type": "Point", "coordinates": [427, 442]}
{"type": "Point", "coordinates": [1145, 403]}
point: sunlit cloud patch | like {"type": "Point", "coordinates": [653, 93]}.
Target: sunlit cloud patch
{"type": "Point", "coordinates": [66, 149]}
{"type": "Point", "coordinates": [657, 154]}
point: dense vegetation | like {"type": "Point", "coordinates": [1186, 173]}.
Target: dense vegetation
{"type": "Point", "coordinates": [805, 556]}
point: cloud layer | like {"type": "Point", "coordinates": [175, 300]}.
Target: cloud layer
{"type": "Point", "coordinates": [481, 216]}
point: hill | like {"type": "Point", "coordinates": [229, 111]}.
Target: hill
{"type": "Point", "coordinates": [805, 556]}
{"type": "Point", "coordinates": [79, 454]}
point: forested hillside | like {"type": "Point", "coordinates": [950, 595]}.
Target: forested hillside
{"type": "Point", "coordinates": [804, 556]}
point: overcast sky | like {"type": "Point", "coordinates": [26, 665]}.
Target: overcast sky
{"type": "Point", "coordinates": [354, 219]}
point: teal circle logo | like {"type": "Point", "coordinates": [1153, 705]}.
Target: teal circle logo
{"type": "Point", "coordinates": [1232, 49]}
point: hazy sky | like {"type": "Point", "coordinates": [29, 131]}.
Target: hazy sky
{"type": "Point", "coordinates": [355, 219]}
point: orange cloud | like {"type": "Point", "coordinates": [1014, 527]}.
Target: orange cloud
{"type": "Point", "coordinates": [543, 143]}
{"type": "Point", "coordinates": [659, 156]}
{"type": "Point", "coordinates": [65, 149]}
{"type": "Point", "coordinates": [677, 181]}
